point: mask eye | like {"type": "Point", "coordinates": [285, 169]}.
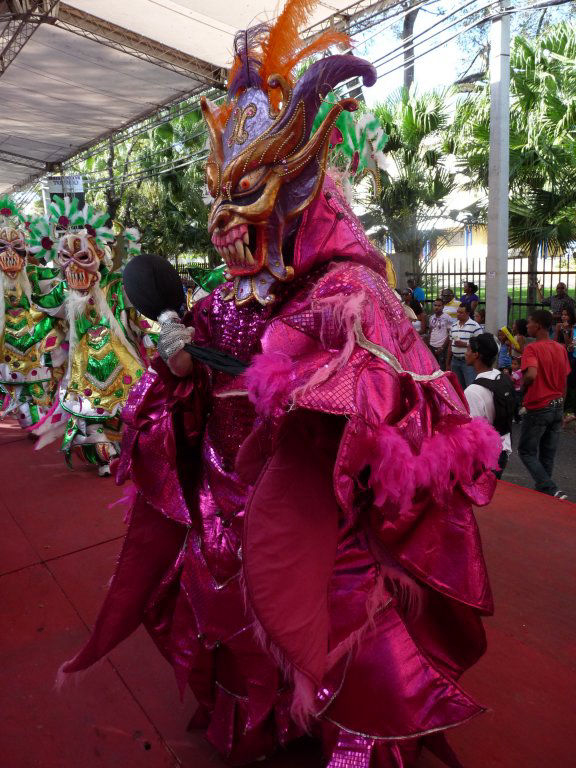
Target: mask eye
{"type": "Point", "coordinates": [249, 182]}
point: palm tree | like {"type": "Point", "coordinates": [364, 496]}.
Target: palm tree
{"type": "Point", "coordinates": [416, 183]}
{"type": "Point", "coordinates": [149, 182]}
{"type": "Point", "coordinates": [542, 143]}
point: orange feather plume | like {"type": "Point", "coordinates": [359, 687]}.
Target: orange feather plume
{"type": "Point", "coordinates": [282, 48]}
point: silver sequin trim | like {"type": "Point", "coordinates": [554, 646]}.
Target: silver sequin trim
{"type": "Point", "coordinates": [389, 358]}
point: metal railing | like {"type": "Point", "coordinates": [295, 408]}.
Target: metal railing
{"type": "Point", "coordinates": [523, 292]}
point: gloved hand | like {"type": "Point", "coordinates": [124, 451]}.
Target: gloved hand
{"type": "Point", "coordinates": [173, 335]}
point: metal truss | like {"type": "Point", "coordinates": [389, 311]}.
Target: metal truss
{"type": "Point", "coordinates": [27, 162]}
{"type": "Point", "coordinates": [129, 42]}
{"type": "Point", "coordinates": [355, 18]}
{"type": "Point", "coordinates": [209, 79]}
{"type": "Point", "coordinates": [22, 19]}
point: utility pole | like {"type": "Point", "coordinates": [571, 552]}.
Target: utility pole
{"type": "Point", "coordinates": [498, 173]}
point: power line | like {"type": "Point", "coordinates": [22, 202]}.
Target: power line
{"type": "Point", "coordinates": [396, 17]}
{"type": "Point", "coordinates": [479, 22]}
{"type": "Point", "coordinates": [410, 41]}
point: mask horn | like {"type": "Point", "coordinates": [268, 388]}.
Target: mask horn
{"type": "Point", "coordinates": [318, 144]}
{"type": "Point", "coordinates": [209, 113]}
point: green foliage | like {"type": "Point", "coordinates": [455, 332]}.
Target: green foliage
{"type": "Point", "coordinates": [542, 140]}
{"type": "Point", "coordinates": [417, 181]}
{"type": "Point", "coordinates": [155, 182]}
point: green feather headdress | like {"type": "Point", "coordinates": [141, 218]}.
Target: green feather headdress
{"type": "Point", "coordinates": [10, 213]}
{"type": "Point", "coordinates": [132, 237]}
{"type": "Point", "coordinates": [65, 218]}
{"type": "Point", "coordinates": [356, 144]}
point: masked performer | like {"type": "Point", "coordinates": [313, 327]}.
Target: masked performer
{"type": "Point", "coordinates": [104, 361]}
{"type": "Point", "coordinates": [301, 544]}
{"type": "Point", "coordinates": [31, 355]}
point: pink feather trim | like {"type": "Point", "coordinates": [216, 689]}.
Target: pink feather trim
{"type": "Point", "coordinates": [457, 455]}
{"type": "Point", "coordinates": [127, 501]}
{"type": "Point", "coordinates": [271, 379]}
{"type": "Point", "coordinates": [339, 317]}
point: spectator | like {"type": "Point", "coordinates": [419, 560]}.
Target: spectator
{"type": "Point", "coordinates": [450, 303]}
{"type": "Point", "coordinates": [460, 334]}
{"type": "Point", "coordinates": [470, 298]}
{"type": "Point", "coordinates": [545, 367]}
{"type": "Point", "coordinates": [565, 328]}
{"type": "Point", "coordinates": [504, 356]}
{"type": "Point", "coordinates": [417, 291]}
{"type": "Point", "coordinates": [517, 377]}
{"type": "Point", "coordinates": [558, 302]}
{"type": "Point", "coordinates": [480, 317]}
{"type": "Point", "coordinates": [491, 396]}
{"type": "Point", "coordinates": [519, 331]}
{"type": "Point", "coordinates": [565, 335]}
{"type": "Point", "coordinates": [439, 325]}
{"type": "Point", "coordinates": [420, 322]}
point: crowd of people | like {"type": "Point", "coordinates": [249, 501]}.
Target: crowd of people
{"type": "Point", "coordinates": [524, 374]}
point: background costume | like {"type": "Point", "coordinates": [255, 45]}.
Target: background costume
{"type": "Point", "coordinates": [315, 560]}
{"type": "Point", "coordinates": [104, 360]}
{"type": "Point", "coordinates": [31, 356]}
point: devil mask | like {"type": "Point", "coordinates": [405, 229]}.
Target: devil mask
{"type": "Point", "coordinates": [13, 251]}
{"type": "Point", "coordinates": [265, 166]}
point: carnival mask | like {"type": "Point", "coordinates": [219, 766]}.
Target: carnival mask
{"type": "Point", "coordinates": [13, 251]}
{"type": "Point", "coordinates": [265, 166]}
{"type": "Point", "coordinates": [79, 258]}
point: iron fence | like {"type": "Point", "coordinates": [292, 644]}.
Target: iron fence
{"type": "Point", "coordinates": [523, 293]}
{"type": "Point", "coordinates": [441, 272]}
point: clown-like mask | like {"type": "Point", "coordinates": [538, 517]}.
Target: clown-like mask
{"type": "Point", "coordinates": [79, 258]}
{"type": "Point", "coordinates": [13, 251]}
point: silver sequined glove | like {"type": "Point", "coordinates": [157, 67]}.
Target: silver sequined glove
{"type": "Point", "coordinates": [173, 335]}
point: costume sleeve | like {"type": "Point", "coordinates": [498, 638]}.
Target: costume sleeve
{"type": "Point", "coordinates": [475, 402]}
{"type": "Point", "coordinates": [404, 461]}
{"type": "Point", "coordinates": [529, 359]}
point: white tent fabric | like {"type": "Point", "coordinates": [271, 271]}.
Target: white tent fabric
{"type": "Point", "coordinates": [64, 92]}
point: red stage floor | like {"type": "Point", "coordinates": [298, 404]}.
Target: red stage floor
{"type": "Point", "coordinates": [57, 551]}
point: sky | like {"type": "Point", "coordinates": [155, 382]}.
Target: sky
{"type": "Point", "coordinates": [441, 67]}
{"type": "Point", "coordinates": [435, 70]}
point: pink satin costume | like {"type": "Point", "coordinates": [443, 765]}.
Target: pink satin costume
{"type": "Point", "coordinates": [301, 544]}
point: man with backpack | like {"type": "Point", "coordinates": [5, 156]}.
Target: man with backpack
{"type": "Point", "coordinates": [491, 397]}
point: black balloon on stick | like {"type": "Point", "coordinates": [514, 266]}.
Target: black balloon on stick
{"type": "Point", "coordinates": [153, 286]}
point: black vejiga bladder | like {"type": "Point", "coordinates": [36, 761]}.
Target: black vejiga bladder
{"type": "Point", "coordinates": [153, 286]}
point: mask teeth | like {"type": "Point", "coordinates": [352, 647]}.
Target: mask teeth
{"type": "Point", "coordinates": [77, 278]}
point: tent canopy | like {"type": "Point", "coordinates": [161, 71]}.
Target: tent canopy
{"type": "Point", "coordinates": [72, 73]}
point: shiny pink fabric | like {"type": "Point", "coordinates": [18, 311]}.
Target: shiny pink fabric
{"type": "Point", "coordinates": [287, 577]}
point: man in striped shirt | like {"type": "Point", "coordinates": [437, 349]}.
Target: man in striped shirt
{"type": "Point", "coordinates": [460, 334]}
